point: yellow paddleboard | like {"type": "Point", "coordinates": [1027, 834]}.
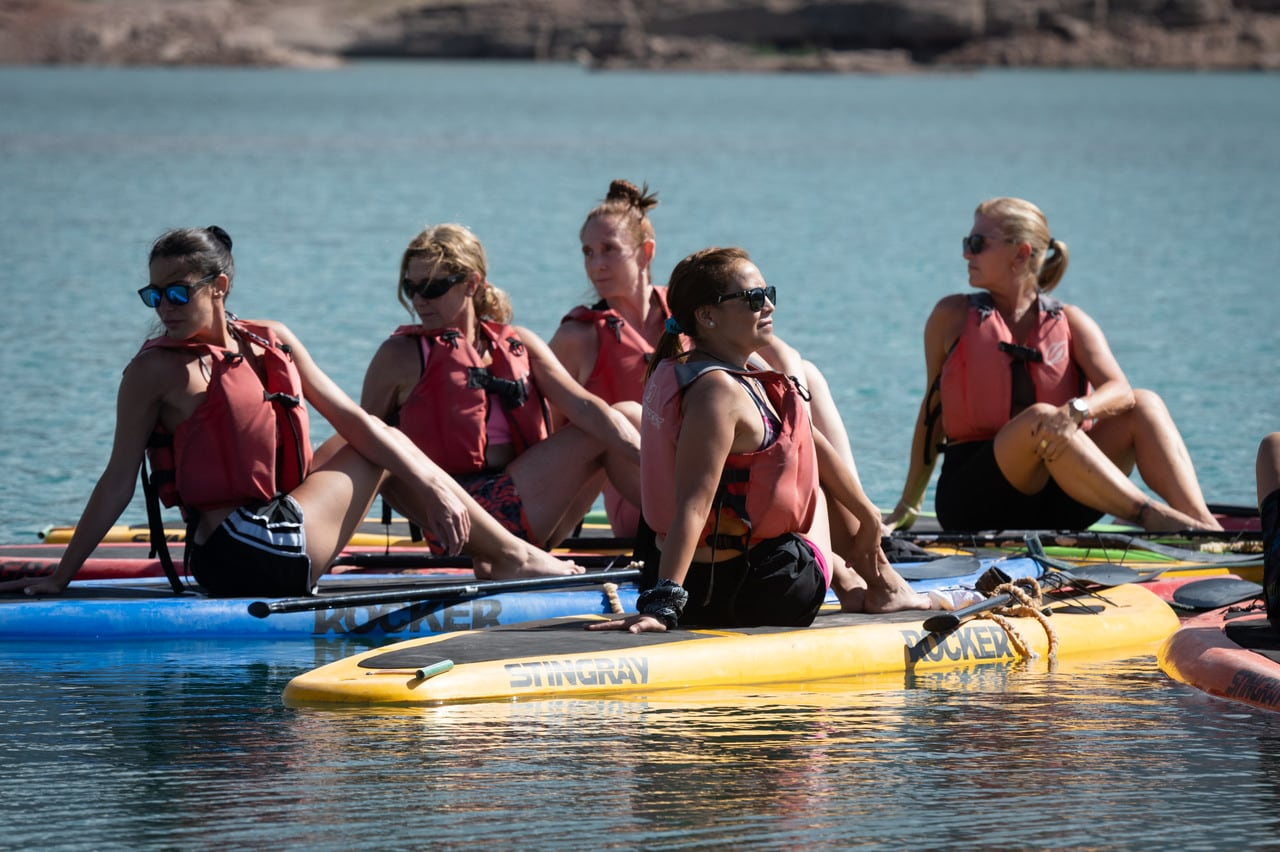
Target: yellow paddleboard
{"type": "Point", "coordinates": [559, 659]}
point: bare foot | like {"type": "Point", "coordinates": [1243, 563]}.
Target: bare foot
{"type": "Point", "coordinates": [852, 600]}
{"type": "Point", "coordinates": [849, 587]}
{"type": "Point", "coordinates": [895, 598]}
{"type": "Point", "coordinates": [1154, 516]}
{"type": "Point", "coordinates": [532, 562]}
{"type": "Point", "coordinates": [885, 591]}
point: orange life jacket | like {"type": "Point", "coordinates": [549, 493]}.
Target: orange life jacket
{"type": "Point", "coordinates": [977, 383]}
{"type": "Point", "coordinates": [622, 355]}
{"type": "Point", "coordinates": [247, 441]}
{"type": "Point", "coordinates": [446, 412]}
{"type": "Point", "coordinates": [772, 491]}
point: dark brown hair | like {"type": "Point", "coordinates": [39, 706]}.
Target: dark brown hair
{"type": "Point", "coordinates": [697, 280]}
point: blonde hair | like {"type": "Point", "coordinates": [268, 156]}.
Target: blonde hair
{"type": "Point", "coordinates": [628, 204]}
{"type": "Point", "coordinates": [1021, 221]}
{"type": "Point", "coordinates": [451, 248]}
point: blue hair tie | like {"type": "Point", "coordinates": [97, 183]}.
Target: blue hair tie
{"type": "Point", "coordinates": [673, 327]}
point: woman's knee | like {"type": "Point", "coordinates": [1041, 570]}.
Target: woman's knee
{"type": "Point", "coordinates": [326, 451]}
{"type": "Point", "coordinates": [1023, 428]}
{"type": "Point", "coordinates": [1148, 405]}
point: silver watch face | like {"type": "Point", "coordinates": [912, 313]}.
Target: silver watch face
{"type": "Point", "coordinates": [1080, 407]}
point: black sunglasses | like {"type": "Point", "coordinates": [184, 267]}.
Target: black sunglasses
{"type": "Point", "coordinates": [433, 288]}
{"type": "Point", "coordinates": [177, 294]}
{"type": "Point", "coordinates": [975, 243]}
{"type": "Point", "coordinates": [755, 297]}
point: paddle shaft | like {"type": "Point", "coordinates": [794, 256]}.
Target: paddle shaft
{"type": "Point", "coordinates": [1014, 538]}
{"type": "Point", "coordinates": [428, 560]}
{"type": "Point", "coordinates": [1056, 580]}
{"type": "Point", "coordinates": [944, 622]}
{"type": "Point", "coordinates": [261, 609]}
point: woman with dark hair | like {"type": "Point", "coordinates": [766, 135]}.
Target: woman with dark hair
{"type": "Point", "coordinates": [219, 404]}
{"type": "Point", "coordinates": [607, 346]}
{"type": "Point", "coordinates": [1038, 422]}
{"type": "Point", "coordinates": [732, 469]}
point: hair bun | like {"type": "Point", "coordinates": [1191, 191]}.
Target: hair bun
{"type": "Point", "coordinates": [625, 191]}
{"type": "Point", "coordinates": [220, 235]}
{"type": "Point", "coordinates": [622, 190]}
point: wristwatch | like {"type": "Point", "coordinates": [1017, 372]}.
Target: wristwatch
{"type": "Point", "coordinates": [1079, 410]}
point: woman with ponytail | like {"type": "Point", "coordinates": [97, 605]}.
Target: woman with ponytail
{"type": "Point", "coordinates": [732, 467]}
{"type": "Point", "coordinates": [219, 405]}
{"type": "Point", "coordinates": [1038, 422]}
{"type": "Point", "coordinates": [607, 346]}
{"type": "Point", "coordinates": [476, 394]}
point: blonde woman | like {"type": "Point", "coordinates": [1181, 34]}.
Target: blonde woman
{"type": "Point", "coordinates": [476, 394]}
{"type": "Point", "coordinates": [1038, 423]}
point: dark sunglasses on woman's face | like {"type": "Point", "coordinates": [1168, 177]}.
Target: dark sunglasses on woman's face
{"type": "Point", "coordinates": [177, 294]}
{"type": "Point", "coordinates": [755, 297]}
{"type": "Point", "coordinates": [433, 288]}
{"type": "Point", "coordinates": [975, 243]}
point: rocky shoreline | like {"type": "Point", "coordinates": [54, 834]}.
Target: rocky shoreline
{"type": "Point", "coordinates": [872, 36]}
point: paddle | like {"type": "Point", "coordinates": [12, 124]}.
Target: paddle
{"type": "Point", "coordinates": [1107, 574]}
{"type": "Point", "coordinates": [1215, 593]}
{"type": "Point", "coordinates": [944, 622]}
{"type": "Point", "coordinates": [947, 566]}
{"type": "Point", "coordinates": [428, 560]}
{"type": "Point", "coordinates": [261, 609]}
{"type": "Point", "coordinates": [1064, 574]}
{"type": "Point", "coordinates": [1234, 510]}
{"type": "Point", "coordinates": [1010, 538]}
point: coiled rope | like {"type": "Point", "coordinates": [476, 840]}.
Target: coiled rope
{"type": "Point", "coordinates": [1030, 598]}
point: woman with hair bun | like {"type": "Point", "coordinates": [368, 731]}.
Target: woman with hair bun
{"type": "Point", "coordinates": [607, 346]}
{"type": "Point", "coordinates": [1038, 423]}
{"type": "Point", "coordinates": [476, 394]}
{"type": "Point", "coordinates": [219, 406]}
{"type": "Point", "coordinates": [732, 467]}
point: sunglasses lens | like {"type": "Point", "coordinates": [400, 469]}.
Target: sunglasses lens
{"type": "Point", "coordinates": [177, 294]}
{"type": "Point", "coordinates": [975, 243]}
{"type": "Point", "coordinates": [756, 298]}
{"type": "Point", "coordinates": [150, 296]}
{"type": "Point", "coordinates": [436, 289]}
{"type": "Point", "coordinates": [431, 289]}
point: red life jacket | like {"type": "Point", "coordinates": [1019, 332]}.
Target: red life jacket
{"type": "Point", "coordinates": [622, 355]}
{"type": "Point", "coordinates": [773, 491]}
{"type": "Point", "coordinates": [448, 409]}
{"type": "Point", "coordinates": [977, 379]}
{"type": "Point", "coordinates": [247, 441]}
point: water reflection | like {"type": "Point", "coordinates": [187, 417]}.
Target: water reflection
{"type": "Point", "coordinates": [173, 743]}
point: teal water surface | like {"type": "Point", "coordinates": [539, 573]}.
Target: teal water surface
{"type": "Point", "coordinates": [851, 193]}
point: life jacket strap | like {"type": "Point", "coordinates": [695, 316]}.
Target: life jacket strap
{"type": "Point", "coordinates": [155, 524]}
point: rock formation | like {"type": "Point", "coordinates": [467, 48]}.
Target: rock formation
{"type": "Point", "coordinates": [800, 35]}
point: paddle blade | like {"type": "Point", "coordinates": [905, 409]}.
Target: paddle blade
{"type": "Point", "coordinates": [1215, 593]}
{"type": "Point", "coordinates": [947, 566]}
{"type": "Point", "coordinates": [1103, 575]}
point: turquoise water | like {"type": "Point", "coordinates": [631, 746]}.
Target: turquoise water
{"type": "Point", "coordinates": [851, 193]}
